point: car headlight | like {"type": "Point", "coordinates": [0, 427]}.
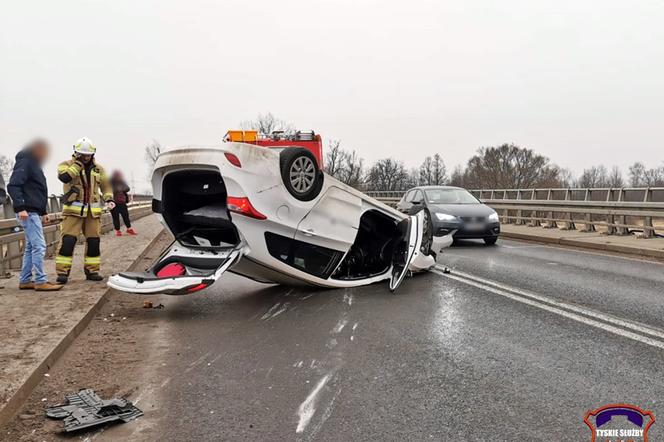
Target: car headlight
{"type": "Point", "coordinates": [445, 217]}
{"type": "Point", "coordinates": [494, 217]}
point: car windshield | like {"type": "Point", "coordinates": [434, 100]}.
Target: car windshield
{"type": "Point", "coordinates": [450, 196]}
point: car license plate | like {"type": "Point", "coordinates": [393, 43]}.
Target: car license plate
{"type": "Point", "coordinates": [474, 226]}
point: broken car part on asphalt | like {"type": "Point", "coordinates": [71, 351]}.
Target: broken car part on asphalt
{"type": "Point", "coordinates": [86, 409]}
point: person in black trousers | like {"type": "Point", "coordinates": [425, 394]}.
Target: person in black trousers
{"type": "Point", "coordinates": [121, 198]}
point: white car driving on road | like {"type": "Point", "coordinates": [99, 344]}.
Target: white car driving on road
{"type": "Point", "coordinates": [271, 214]}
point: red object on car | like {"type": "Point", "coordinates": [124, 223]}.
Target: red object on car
{"type": "Point", "coordinates": [306, 139]}
{"type": "Point", "coordinates": [243, 206]}
{"type": "Point", "coordinates": [170, 270]}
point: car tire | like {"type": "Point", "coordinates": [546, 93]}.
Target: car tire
{"type": "Point", "coordinates": [490, 241]}
{"type": "Point", "coordinates": [300, 173]}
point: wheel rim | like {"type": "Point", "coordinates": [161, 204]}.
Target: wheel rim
{"type": "Point", "coordinates": [302, 174]}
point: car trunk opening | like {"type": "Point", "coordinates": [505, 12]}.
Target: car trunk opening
{"type": "Point", "coordinates": [180, 270]}
{"type": "Point", "coordinates": [194, 207]}
{"type": "Point", "coordinates": [373, 250]}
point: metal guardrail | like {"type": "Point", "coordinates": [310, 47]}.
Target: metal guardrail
{"type": "Point", "coordinates": [619, 210]}
{"type": "Point", "coordinates": [12, 238]}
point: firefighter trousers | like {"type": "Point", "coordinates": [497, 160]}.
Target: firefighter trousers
{"type": "Point", "coordinates": [71, 227]}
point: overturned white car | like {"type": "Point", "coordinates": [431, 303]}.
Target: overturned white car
{"type": "Point", "coordinates": [271, 214]}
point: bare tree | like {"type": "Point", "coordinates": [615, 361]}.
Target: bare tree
{"type": "Point", "coordinates": [615, 178]}
{"type": "Point", "coordinates": [267, 123]}
{"type": "Point", "coordinates": [6, 167]}
{"type": "Point", "coordinates": [509, 167]}
{"type": "Point", "coordinates": [432, 172]}
{"type": "Point", "coordinates": [152, 151]}
{"type": "Point", "coordinates": [334, 158]}
{"type": "Point", "coordinates": [599, 176]}
{"type": "Point", "coordinates": [458, 175]}
{"type": "Point", "coordinates": [596, 176]}
{"type": "Point", "coordinates": [425, 172]}
{"type": "Point", "coordinates": [387, 174]}
{"type": "Point", "coordinates": [344, 165]}
{"type": "Point", "coordinates": [654, 177]}
{"type": "Point", "coordinates": [352, 169]}
{"type": "Point", "coordinates": [565, 178]}
{"type": "Point", "coordinates": [637, 172]}
{"type": "Point", "coordinates": [439, 172]}
{"type": "Point", "coordinates": [640, 176]}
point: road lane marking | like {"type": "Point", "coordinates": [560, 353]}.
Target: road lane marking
{"type": "Point", "coordinates": [519, 247]}
{"type": "Point", "coordinates": [621, 327]}
{"type": "Point", "coordinates": [642, 328]}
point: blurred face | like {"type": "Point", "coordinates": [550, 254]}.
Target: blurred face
{"type": "Point", "coordinates": [85, 159]}
{"type": "Point", "coordinates": [40, 150]}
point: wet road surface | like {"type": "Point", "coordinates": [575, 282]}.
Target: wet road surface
{"type": "Point", "coordinates": [516, 344]}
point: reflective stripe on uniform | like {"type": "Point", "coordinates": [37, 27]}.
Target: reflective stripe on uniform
{"type": "Point", "coordinates": [70, 169]}
{"type": "Point", "coordinates": [75, 208]}
{"type": "Point", "coordinates": [93, 259]}
{"type": "Point", "coordinates": [61, 259]}
{"type": "Point", "coordinates": [108, 196]}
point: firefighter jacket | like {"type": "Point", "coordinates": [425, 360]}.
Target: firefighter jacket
{"type": "Point", "coordinates": [86, 189]}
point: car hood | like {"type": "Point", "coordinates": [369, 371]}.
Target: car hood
{"type": "Point", "coordinates": [462, 209]}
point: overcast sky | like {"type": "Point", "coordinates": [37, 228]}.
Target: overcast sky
{"type": "Point", "coordinates": [579, 81]}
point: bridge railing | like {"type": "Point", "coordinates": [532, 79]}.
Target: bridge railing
{"type": "Point", "coordinates": [12, 238]}
{"type": "Point", "coordinates": [617, 211]}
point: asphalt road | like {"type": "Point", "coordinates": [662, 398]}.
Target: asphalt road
{"type": "Point", "coordinates": [516, 344]}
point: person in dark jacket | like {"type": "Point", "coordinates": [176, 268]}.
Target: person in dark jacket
{"type": "Point", "coordinates": [27, 187]}
{"type": "Point", "coordinates": [121, 198]}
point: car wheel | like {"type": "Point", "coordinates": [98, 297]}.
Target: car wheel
{"type": "Point", "coordinates": [490, 241]}
{"type": "Point", "coordinates": [300, 173]}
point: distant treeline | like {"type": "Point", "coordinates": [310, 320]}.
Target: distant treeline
{"type": "Point", "coordinates": [501, 167]}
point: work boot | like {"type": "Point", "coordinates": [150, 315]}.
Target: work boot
{"type": "Point", "coordinates": [62, 279]}
{"type": "Point", "coordinates": [26, 286]}
{"type": "Point", "coordinates": [94, 276]}
{"type": "Point", "coordinates": [47, 287]}
{"type": "Point", "coordinates": [131, 231]}
{"type": "Point", "coordinates": [118, 233]}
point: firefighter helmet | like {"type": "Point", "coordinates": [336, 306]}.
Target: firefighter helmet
{"type": "Point", "coordinates": [84, 146]}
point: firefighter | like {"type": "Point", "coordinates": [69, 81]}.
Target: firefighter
{"type": "Point", "coordinates": [86, 189]}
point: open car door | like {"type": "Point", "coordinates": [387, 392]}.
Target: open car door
{"type": "Point", "coordinates": [407, 247]}
{"type": "Point", "coordinates": [179, 271]}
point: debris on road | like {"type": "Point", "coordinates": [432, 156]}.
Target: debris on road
{"type": "Point", "coordinates": [86, 409]}
{"type": "Point", "coordinates": [149, 304]}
